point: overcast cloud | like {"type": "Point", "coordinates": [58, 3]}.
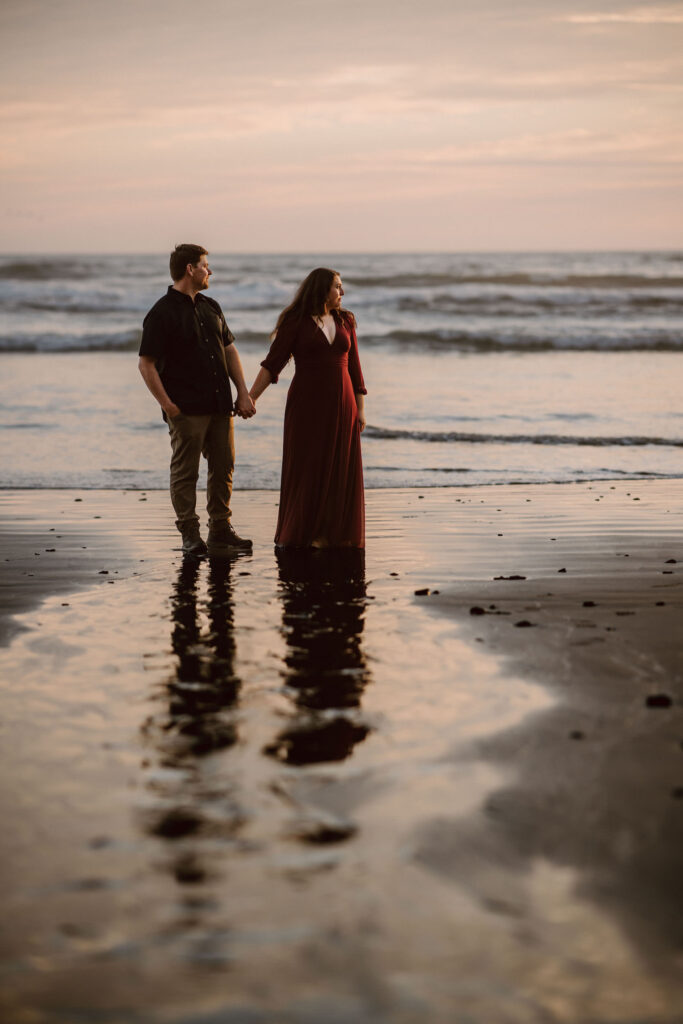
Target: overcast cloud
{"type": "Point", "coordinates": [371, 125]}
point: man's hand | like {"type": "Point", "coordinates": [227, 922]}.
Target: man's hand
{"type": "Point", "coordinates": [244, 406]}
{"type": "Point", "coordinates": [171, 410]}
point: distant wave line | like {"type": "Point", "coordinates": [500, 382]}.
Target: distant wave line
{"type": "Point", "coordinates": [53, 270]}
{"type": "Point", "coordinates": [461, 437]}
{"type": "Point", "coordinates": [655, 339]}
{"type": "Point", "coordinates": [126, 341]}
{"type": "Point", "coordinates": [505, 304]}
{"type": "Point", "coordinates": [426, 280]}
{"type": "Point", "coordinates": [465, 341]}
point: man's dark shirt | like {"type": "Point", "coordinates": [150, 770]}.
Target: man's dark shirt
{"type": "Point", "coordinates": [187, 341]}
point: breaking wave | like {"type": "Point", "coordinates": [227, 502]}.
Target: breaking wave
{"type": "Point", "coordinates": [466, 437]}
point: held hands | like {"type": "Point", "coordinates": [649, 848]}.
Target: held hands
{"type": "Point", "coordinates": [244, 406]}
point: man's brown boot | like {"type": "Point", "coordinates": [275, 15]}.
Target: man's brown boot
{"type": "Point", "coordinates": [192, 541]}
{"type": "Point", "coordinates": [223, 541]}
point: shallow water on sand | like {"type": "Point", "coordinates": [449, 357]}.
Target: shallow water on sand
{"type": "Point", "coordinates": [215, 778]}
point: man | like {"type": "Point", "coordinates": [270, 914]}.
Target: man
{"type": "Point", "coordinates": [187, 359]}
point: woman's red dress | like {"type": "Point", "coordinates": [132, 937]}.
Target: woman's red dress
{"type": "Point", "coordinates": [321, 489]}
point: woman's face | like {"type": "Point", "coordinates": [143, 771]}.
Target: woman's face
{"type": "Point", "coordinates": [334, 297]}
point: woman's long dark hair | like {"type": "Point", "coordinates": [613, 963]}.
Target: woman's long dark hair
{"type": "Point", "coordinates": [311, 297]}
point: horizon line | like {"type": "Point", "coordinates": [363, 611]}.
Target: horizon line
{"type": "Point", "coordinates": [348, 252]}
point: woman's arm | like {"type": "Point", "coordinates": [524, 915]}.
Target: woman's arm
{"type": "Point", "coordinates": [360, 402]}
{"type": "Point", "coordinates": [262, 381]}
{"type": "Point", "coordinates": [278, 354]}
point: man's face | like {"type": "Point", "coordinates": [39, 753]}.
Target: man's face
{"type": "Point", "coordinates": [200, 274]}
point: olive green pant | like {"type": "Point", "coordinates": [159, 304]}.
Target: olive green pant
{"type": "Point", "coordinates": [191, 437]}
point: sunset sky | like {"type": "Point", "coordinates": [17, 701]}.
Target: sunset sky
{"type": "Point", "coordinates": [375, 125]}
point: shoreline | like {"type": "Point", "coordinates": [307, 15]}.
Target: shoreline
{"type": "Point", "coordinates": [595, 781]}
{"type": "Point", "coordinates": [380, 804]}
{"type": "Point", "coordinates": [604, 480]}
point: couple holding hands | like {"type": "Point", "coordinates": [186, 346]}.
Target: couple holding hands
{"type": "Point", "coordinates": [188, 358]}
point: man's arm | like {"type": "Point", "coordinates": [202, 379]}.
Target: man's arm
{"type": "Point", "coordinates": [150, 375]}
{"type": "Point", "coordinates": [243, 406]}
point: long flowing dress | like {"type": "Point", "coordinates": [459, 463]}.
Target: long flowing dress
{"type": "Point", "coordinates": [321, 489]}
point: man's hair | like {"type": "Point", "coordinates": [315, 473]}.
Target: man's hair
{"type": "Point", "coordinates": [183, 254]}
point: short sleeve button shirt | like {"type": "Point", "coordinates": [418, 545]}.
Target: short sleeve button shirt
{"type": "Point", "coordinates": [187, 341]}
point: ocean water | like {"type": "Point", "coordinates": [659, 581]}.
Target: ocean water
{"type": "Point", "coordinates": [481, 368]}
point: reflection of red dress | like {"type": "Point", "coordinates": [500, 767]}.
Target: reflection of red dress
{"type": "Point", "coordinates": [321, 490]}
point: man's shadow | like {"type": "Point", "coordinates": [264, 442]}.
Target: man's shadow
{"type": "Point", "coordinates": [197, 718]}
{"type": "Point", "coordinates": [324, 598]}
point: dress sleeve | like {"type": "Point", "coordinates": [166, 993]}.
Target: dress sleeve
{"type": "Point", "coordinates": [355, 371]}
{"type": "Point", "coordinates": [280, 350]}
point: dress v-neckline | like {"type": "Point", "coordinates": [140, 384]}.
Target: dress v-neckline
{"type": "Point", "coordinates": [324, 333]}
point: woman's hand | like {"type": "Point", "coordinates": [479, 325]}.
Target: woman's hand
{"type": "Point", "coordinates": [360, 402]}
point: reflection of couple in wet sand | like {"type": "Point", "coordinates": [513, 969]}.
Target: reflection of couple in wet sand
{"type": "Point", "coordinates": [324, 673]}
{"type": "Point", "coordinates": [188, 358]}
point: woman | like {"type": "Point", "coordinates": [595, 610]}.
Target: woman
{"type": "Point", "coordinates": [321, 490]}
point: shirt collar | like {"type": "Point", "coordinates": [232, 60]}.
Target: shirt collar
{"type": "Point", "coordinates": [182, 297]}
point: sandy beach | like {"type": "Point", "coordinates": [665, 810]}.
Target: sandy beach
{"type": "Point", "coordinates": [440, 783]}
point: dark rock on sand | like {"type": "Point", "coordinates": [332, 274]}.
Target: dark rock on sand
{"type": "Point", "coordinates": [658, 700]}
{"type": "Point", "coordinates": [323, 832]}
{"type": "Point", "coordinates": [177, 822]}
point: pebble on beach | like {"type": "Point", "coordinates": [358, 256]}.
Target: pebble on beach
{"type": "Point", "coordinates": [658, 700]}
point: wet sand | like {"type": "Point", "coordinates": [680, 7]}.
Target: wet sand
{"type": "Point", "coordinates": [295, 790]}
